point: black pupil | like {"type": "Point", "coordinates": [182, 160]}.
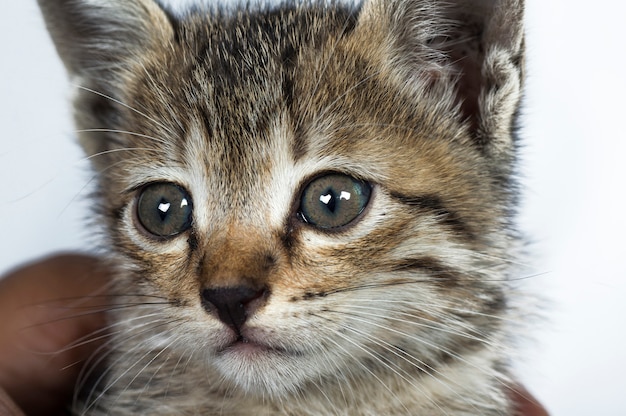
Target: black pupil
{"type": "Point", "coordinates": [329, 200]}
{"type": "Point", "coordinates": [164, 208]}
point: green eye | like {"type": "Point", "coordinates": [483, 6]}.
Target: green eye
{"type": "Point", "coordinates": [164, 209]}
{"type": "Point", "coordinates": [333, 200]}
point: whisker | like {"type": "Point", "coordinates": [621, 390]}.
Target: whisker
{"type": "Point", "coordinates": [98, 174]}
{"type": "Point", "coordinates": [450, 320]}
{"type": "Point", "coordinates": [103, 295]}
{"type": "Point", "coordinates": [91, 365]}
{"type": "Point", "coordinates": [148, 364]}
{"type": "Point", "coordinates": [92, 311]}
{"type": "Point", "coordinates": [148, 383]}
{"type": "Point", "coordinates": [344, 377]}
{"type": "Point", "coordinates": [321, 390]}
{"type": "Point", "coordinates": [173, 113]}
{"type": "Point", "coordinates": [502, 259]}
{"type": "Point", "coordinates": [527, 277]}
{"type": "Point", "coordinates": [347, 339]}
{"type": "Point", "coordinates": [123, 356]}
{"type": "Point", "coordinates": [418, 324]}
{"type": "Point", "coordinates": [173, 372]}
{"type": "Point", "coordinates": [130, 133]}
{"type": "Point", "coordinates": [88, 339]}
{"type": "Point", "coordinates": [123, 149]}
{"type": "Point", "coordinates": [425, 305]}
{"type": "Point", "coordinates": [435, 347]}
{"type": "Point", "coordinates": [163, 126]}
{"type": "Point", "coordinates": [370, 286]}
{"type": "Point", "coordinates": [425, 369]}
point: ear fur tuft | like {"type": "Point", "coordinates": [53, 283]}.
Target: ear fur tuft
{"type": "Point", "coordinates": [94, 37]}
{"type": "Point", "coordinates": [477, 46]}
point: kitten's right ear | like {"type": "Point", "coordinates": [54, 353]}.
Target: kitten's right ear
{"type": "Point", "coordinates": [476, 46]}
{"type": "Point", "coordinates": [94, 38]}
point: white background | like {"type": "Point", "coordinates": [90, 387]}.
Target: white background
{"type": "Point", "coordinates": [573, 174]}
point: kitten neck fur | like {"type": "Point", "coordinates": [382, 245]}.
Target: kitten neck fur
{"type": "Point", "coordinates": [248, 300]}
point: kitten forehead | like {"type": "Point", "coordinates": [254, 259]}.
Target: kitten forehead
{"type": "Point", "coordinates": [232, 187]}
{"type": "Point", "coordinates": [251, 198]}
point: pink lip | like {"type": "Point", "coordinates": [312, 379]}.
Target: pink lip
{"type": "Point", "coordinates": [244, 344]}
{"type": "Point", "coordinates": [251, 349]}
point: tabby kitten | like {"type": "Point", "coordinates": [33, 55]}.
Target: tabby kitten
{"type": "Point", "coordinates": [308, 206]}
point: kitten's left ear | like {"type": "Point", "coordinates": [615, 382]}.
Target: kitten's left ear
{"type": "Point", "coordinates": [480, 43]}
{"type": "Point", "coordinates": [101, 43]}
{"type": "Point", "coordinates": [96, 38]}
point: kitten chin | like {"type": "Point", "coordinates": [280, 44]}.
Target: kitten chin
{"type": "Point", "coordinates": [309, 207]}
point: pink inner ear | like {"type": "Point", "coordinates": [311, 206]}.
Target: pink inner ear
{"type": "Point", "coordinates": [464, 57]}
{"type": "Point", "coordinates": [467, 58]}
{"type": "Point", "coordinates": [463, 45]}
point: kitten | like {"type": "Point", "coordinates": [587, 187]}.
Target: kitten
{"type": "Point", "coordinates": [309, 207]}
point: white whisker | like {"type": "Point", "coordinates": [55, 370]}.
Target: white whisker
{"type": "Point", "coordinates": [412, 304]}
{"type": "Point", "coordinates": [124, 149]}
{"type": "Point", "coordinates": [364, 367]}
{"type": "Point", "coordinates": [163, 126]}
{"type": "Point", "coordinates": [442, 327]}
{"type": "Point", "coordinates": [491, 372]}
{"type": "Point", "coordinates": [421, 366]}
{"type": "Point", "coordinates": [148, 364]}
{"type": "Point", "coordinates": [92, 365]}
{"type": "Point", "coordinates": [130, 133]}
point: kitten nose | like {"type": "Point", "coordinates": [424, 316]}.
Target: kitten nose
{"type": "Point", "coordinates": [233, 304]}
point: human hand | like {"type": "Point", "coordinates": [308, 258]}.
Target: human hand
{"type": "Point", "coordinates": [48, 307]}
{"type": "Point", "coordinates": [526, 404]}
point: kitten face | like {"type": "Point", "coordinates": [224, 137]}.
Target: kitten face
{"type": "Point", "coordinates": [308, 193]}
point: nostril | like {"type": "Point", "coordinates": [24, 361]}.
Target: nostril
{"type": "Point", "coordinates": [233, 305]}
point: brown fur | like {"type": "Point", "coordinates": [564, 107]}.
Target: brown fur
{"type": "Point", "coordinates": [403, 311]}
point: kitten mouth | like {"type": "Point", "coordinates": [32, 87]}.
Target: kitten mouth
{"type": "Point", "coordinates": [251, 348]}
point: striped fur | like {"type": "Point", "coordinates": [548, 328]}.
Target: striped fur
{"type": "Point", "coordinates": [407, 309]}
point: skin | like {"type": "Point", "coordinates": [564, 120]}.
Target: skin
{"type": "Point", "coordinates": [50, 305]}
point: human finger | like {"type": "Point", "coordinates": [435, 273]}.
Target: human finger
{"type": "Point", "coordinates": [46, 307]}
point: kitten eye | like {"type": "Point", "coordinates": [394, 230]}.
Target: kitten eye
{"type": "Point", "coordinates": [333, 200]}
{"type": "Point", "coordinates": [164, 209]}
